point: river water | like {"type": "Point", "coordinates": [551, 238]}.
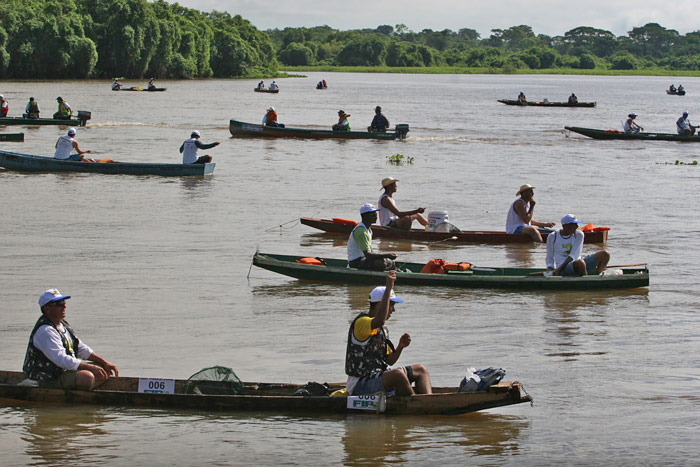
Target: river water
{"type": "Point", "coordinates": [159, 269]}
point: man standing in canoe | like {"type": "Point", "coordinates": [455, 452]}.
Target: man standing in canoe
{"type": "Point", "coordinates": [55, 357]}
{"type": "Point", "coordinates": [190, 146]}
{"type": "Point", "coordinates": [65, 144]}
{"type": "Point", "coordinates": [4, 106]}
{"type": "Point", "coordinates": [64, 111]}
{"type": "Point", "coordinates": [389, 214]}
{"type": "Point", "coordinates": [370, 352]}
{"type": "Point", "coordinates": [684, 127]}
{"type": "Point", "coordinates": [519, 219]}
{"type": "Point", "coordinates": [379, 123]}
{"type": "Point", "coordinates": [564, 252]}
{"type": "Point", "coordinates": [343, 123]}
{"type": "Point", "coordinates": [360, 254]}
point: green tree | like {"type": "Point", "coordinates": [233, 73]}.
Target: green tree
{"type": "Point", "coordinates": [363, 52]}
{"type": "Point", "coordinates": [296, 54]}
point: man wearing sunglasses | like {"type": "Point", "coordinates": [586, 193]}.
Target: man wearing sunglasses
{"type": "Point", "coordinates": [56, 357]}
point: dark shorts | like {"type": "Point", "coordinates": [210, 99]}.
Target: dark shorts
{"type": "Point", "coordinates": [379, 264]}
{"type": "Point", "coordinates": [202, 160]}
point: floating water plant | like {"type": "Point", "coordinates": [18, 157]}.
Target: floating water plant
{"type": "Point", "coordinates": [678, 163]}
{"type": "Point", "coordinates": [399, 159]}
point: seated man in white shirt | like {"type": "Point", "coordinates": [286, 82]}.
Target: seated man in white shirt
{"type": "Point", "coordinates": [56, 357]}
{"type": "Point", "coordinates": [564, 252]}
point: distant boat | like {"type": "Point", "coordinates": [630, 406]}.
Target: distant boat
{"type": "Point", "coordinates": [80, 120]}
{"type": "Point", "coordinates": [140, 89]}
{"type": "Point", "coordinates": [29, 163]}
{"type": "Point", "coordinates": [271, 91]}
{"type": "Point", "coordinates": [255, 129]}
{"type": "Point", "coordinates": [676, 92]}
{"type": "Point", "coordinates": [321, 86]}
{"type": "Point", "coordinates": [616, 134]}
{"type": "Point", "coordinates": [545, 103]}
{"type": "Point", "coordinates": [16, 137]}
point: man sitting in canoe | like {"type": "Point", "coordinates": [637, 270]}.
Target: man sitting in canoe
{"type": "Point", "coordinates": [379, 123]}
{"type": "Point", "coordinates": [630, 126]}
{"type": "Point", "coordinates": [343, 123]}
{"type": "Point", "coordinates": [64, 111]}
{"type": "Point", "coordinates": [4, 106]}
{"type": "Point", "coordinates": [519, 219]}
{"type": "Point", "coordinates": [389, 214]}
{"type": "Point", "coordinates": [684, 127]}
{"type": "Point", "coordinates": [370, 352]}
{"type": "Point", "coordinates": [261, 85]}
{"type": "Point", "coordinates": [151, 84]}
{"type": "Point", "coordinates": [521, 98]}
{"type": "Point", "coordinates": [672, 88]}
{"type": "Point", "coordinates": [65, 144]}
{"type": "Point", "coordinates": [31, 110]}
{"type": "Point", "coordinates": [360, 254]}
{"type": "Point", "coordinates": [270, 118]}
{"type": "Point", "coordinates": [273, 86]}
{"type": "Point", "coordinates": [55, 357]}
{"type": "Point", "coordinates": [573, 99]}
{"type": "Point", "coordinates": [116, 85]}
{"type": "Point", "coordinates": [190, 146]}
{"type": "Point", "coordinates": [564, 252]}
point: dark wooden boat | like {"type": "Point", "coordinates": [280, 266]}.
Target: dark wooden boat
{"type": "Point", "coordinates": [29, 163]}
{"type": "Point", "coordinates": [140, 89]}
{"type": "Point", "coordinates": [615, 134]}
{"type": "Point", "coordinates": [321, 87]}
{"type": "Point", "coordinates": [545, 103]}
{"type": "Point", "coordinates": [255, 129]}
{"type": "Point", "coordinates": [271, 91]}
{"type": "Point", "coordinates": [16, 137]}
{"type": "Point", "coordinates": [675, 93]}
{"type": "Point", "coordinates": [419, 235]}
{"type": "Point", "coordinates": [336, 270]}
{"type": "Point", "coordinates": [262, 397]}
{"type": "Point", "coordinates": [80, 120]}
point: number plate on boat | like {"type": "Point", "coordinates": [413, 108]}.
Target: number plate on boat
{"type": "Point", "coordinates": [157, 386]}
{"type": "Point", "coordinates": [374, 402]}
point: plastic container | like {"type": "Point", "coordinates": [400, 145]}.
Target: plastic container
{"type": "Point", "coordinates": [435, 218]}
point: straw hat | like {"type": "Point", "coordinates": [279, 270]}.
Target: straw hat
{"type": "Point", "coordinates": [388, 181]}
{"type": "Point", "coordinates": [525, 187]}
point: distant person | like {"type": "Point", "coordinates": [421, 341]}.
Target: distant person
{"type": "Point", "coordinates": [31, 110]}
{"type": "Point", "coordinates": [684, 127]}
{"type": "Point", "coordinates": [190, 146]}
{"type": "Point", "coordinates": [273, 86]}
{"type": "Point", "coordinates": [116, 85]}
{"type": "Point", "coordinates": [379, 122]}
{"type": "Point", "coordinates": [681, 89]}
{"type": "Point", "coordinates": [270, 118]}
{"type": "Point", "coordinates": [343, 123]}
{"type": "Point", "coordinates": [370, 353]}
{"type": "Point", "coordinates": [630, 126]}
{"type": "Point", "coordinates": [519, 219]}
{"type": "Point", "coordinates": [151, 84]}
{"type": "Point", "coordinates": [261, 84]}
{"type": "Point", "coordinates": [672, 88]}
{"type": "Point", "coordinates": [360, 255]}
{"type": "Point", "coordinates": [564, 252]}
{"type": "Point", "coordinates": [55, 357]}
{"type": "Point", "coordinates": [521, 98]}
{"type": "Point", "coordinates": [64, 111]}
{"type": "Point", "coordinates": [389, 214]}
{"type": "Point", "coordinates": [65, 144]}
{"type": "Point", "coordinates": [573, 99]}
{"type": "Point", "coordinates": [4, 106]}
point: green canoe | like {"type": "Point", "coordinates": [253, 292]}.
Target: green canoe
{"type": "Point", "coordinates": [336, 270]}
{"type": "Point", "coordinates": [16, 137]}
{"type": "Point", "coordinates": [255, 129]}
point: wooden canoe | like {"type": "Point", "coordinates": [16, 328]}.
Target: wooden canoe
{"type": "Point", "coordinates": [676, 93]}
{"type": "Point", "coordinates": [140, 89]}
{"type": "Point", "coordinates": [29, 163]}
{"type": "Point", "coordinates": [461, 236]}
{"type": "Point", "coordinates": [43, 121]}
{"type": "Point", "coordinates": [255, 129]}
{"type": "Point", "coordinates": [615, 134]}
{"type": "Point", "coordinates": [261, 397]}
{"type": "Point", "coordinates": [271, 91]}
{"type": "Point", "coordinates": [336, 270]}
{"type": "Point", "coordinates": [545, 103]}
{"type": "Point", "coordinates": [16, 137]}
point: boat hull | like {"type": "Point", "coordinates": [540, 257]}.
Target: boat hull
{"type": "Point", "coordinates": [408, 274]}
{"type": "Point", "coordinates": [137, 89]}
{"type": "Point", "coordinates": [675, 93]}
{"type": "Point", "coordinates": [614, 134]}
{"type": "Point", "coordinates": [261, 397]}
{"type": "Point", "coordinates": [270, 91]}
{"type": "Point", "coordinates": [545, 103]}
{"type": "Point", "coordinates": [41, 121]}
{"type": "Point", "coordinates": [29, 163]}
{"type": "Point", "coordinates": [16, 137]}
{"type": "Point", "coordinates": [252, 129]}
{"type": "Point", "coordinates": [419, 235]}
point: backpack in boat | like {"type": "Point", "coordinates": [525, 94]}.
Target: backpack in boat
{"type": "Point", "coordinates": [313, 388]}
{"type": "Point", "coordinates": [217, 380]}
{"type": "Point", "coordinates": [480, 380]}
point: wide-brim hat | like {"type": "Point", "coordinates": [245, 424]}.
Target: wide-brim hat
{"type": "Point", "coordinates": [525, 187]}
{"type": "Point", "coordinates": [388, 181]}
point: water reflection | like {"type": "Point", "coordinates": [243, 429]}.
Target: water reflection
{"type": "Point", "coordinates": [195, 187]}
{"type": "Point", "coordinates": [386, 440]}
{"type": "Point", "coordinates": [525, 255]}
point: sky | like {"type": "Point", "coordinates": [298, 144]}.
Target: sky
{"type": "Point", "coordinates": [549, 17]}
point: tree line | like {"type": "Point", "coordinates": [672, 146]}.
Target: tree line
{"type": "Point", "coordinates": [518, 47]}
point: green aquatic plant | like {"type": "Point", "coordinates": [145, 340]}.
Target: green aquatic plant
{"type": "Point", "coordinates": [399, 159]}
{"type": "Point", "coordinates": [678, 163]}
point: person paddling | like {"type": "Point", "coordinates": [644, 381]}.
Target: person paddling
{"type": "Point", "coordinates": [189, 148]}
{"type": "Point", "coordinates": [630, 126]}
{"type": "Point", "coordinates": [343, 123]}
{"type": "Point", "coordinates": [684, 127]}
{"type": "Point", "coordinates": [65, 144]}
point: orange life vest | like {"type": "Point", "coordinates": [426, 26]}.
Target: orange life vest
{"type": "Point", "coordinates": [340, 220]}
{"type": "Point", "coordinates": [313, 261]}
{"type": "Point", "coordinates": [457, 266]}
{"type": "Point", "coordinates": [271, 116]}
{"type": "Point", "coordinates": [434, 266]}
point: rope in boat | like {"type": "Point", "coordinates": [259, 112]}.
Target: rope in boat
{"type": "Point", "coordinates": [283, 226]}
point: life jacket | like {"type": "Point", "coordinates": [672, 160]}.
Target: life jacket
{"type": "Point", "coordinates": [339, 220]}
{"type": "Point", "coordinates": [32, 108]}
{"type": "Point", "coordinates": [310, 260]}
{"type": "Point", "coordinates": [63, 108]}
{"type": "Point", "coordinates": [434, 266]}
{"type": "Point", "coordinates": [37, 366]}
{"type": "Point", "coordinates": [271, 116]}
{"type": "Point", "coordinates": [457, 266]}
{"type": "Point", "coordinates": [366, 358]}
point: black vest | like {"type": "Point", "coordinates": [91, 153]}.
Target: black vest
{"type": "Point", "coordinates": [36, 365]}
{"type": "Point", "coordinates": [370, 359]}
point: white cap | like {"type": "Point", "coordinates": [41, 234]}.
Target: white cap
{"type": "Point", "coordinates": [570, 219]}
{"type": "Point", "coordinates": [271, 109]}
{"type": "Point", "coordinates": [51, 295]}
{"type": "Point", "coordinates": [365, 208]}
{"type": "Point", "coordinates": [72, 132]}
{"type": "Point", "coordinates": [195, 133]}
{"type": "Point", "coordinates": [2, 96]}
{"type": "Point", "coordinates": [378, 293]}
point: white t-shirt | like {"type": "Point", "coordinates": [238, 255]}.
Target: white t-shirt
{"type": "Point", "coordinates": [385, 215]}
{"type": "Point", "coordinates": [513, 220]}
{"type": "Point", "coordinates": [189, 154]}
{"type": "Point", "coordinates": [559, 247]}
{"type": "Point", "coordinates": [354, 250]}
{"type": "Point", "coordinates": [64, 146]}
{"type": "Point", "coordinates": [49, 342]}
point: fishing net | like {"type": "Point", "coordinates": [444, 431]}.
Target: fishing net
{"type": "Point", "coordinates": [217, 380]}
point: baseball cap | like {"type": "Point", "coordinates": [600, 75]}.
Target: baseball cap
{"type": "Point", "coordinates": [365, 208]}
{"type": "Point", "coordinates": [570, 219]}
{"type": "Point", "coordinates": [51, 295]}
{"type": "Point", "coordinates": [72, 132]}
{"type": "Point", "coordinates": [195, 133]}
{"type": "Point", "coordinates": [378, 293]}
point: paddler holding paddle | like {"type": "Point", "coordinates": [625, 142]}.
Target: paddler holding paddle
{"type": "Point", "coordinates": [65, 144]}
{"type": "Point", "coordinates": [189, 148]}
{"type": "Point", "coordinates": [519, 219]}
{"type": "Point", "coordinates": [564, 252]}
{"type": "Point", "coordinates": [56, 358]}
